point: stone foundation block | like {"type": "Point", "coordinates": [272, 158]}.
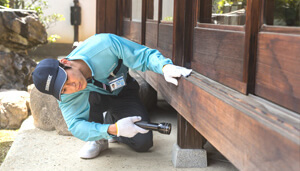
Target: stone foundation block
{"type": "Point", "coordinates": [188, 158]}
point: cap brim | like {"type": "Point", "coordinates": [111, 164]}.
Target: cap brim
{"type": "Point", "coordinates": [59, 83]}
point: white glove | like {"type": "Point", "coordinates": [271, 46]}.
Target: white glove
{"type": "Point", "coordinates": [170, 71]}
{"type": "Point", "coordinates": [127, 128]}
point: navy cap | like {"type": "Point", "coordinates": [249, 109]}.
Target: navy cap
{"type": "Point", "coordinates": [49, 77]}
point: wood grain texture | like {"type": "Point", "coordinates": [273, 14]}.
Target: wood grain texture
{"type": "Point", "coordinates": [111, 16]}
{"type": "Point", "coordinates": [278, 72]}
{"type": "Point", "coordinates": [218, 54]}
{"type": "Point", "coordinates": [205, 10]}
{"type": "Point", "coordinates": [100, 16]}
{"type": "Point", "coordinates": [253, 134]}
{"type": "Point", "coordinates": [120, 17]}
{"type": "Point", "coordinates": [132, 30]}
{"type": "Point", "coordinates": [281, 29]}
{"type": "Point", "coordinates": [150, 9]}
{"type": "Point", "coordinates": [187, 136]}
{"type": "Point", "coordinates": [165, 39]}
{"type": "Point", "coordinates": [151, 34]}
{"type": "Point", "coordinates": [253, 24]}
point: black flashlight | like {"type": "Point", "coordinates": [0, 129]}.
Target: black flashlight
{"type": "Point", "coordinates": [164, 128]}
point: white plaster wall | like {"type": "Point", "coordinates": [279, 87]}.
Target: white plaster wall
{"type": "Point", "coordinates": [64, 28]}
{"type": "Point", "coordinates": [167, 8]}
{"type": "Point", "coordinates": [136, 10]}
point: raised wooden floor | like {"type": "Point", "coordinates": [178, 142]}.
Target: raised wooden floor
{"type": "Point", "coordinates": [251, 132]}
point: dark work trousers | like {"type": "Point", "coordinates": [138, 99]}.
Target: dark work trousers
{"type": "Point", "coordinates": [126, 104]}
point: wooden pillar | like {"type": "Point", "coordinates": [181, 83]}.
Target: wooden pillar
{"type": "Point", "coordinates": [269, 7]}
{"type": "Point", "coordinates": [144, 13]}
{"type": "Point", "coordinates": [188, 137]}
{"type": "Point", "coordinates": [253, 24]}
{"type": "Point", "coordinates": [150, 9]}
{"type": "Point", "coordinates": [120, 16]}
{"type": "Point", "coordinates": [107, 16]}
{"type": "Point", "coordinates": [205, 11]}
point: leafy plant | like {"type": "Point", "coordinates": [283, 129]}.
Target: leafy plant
{"type": "Point", "coordinates": [221, 4]}
{"type": "Point", "coordinates": [4, 3]}
{"type": "Point", "coordinates": [168, 19]}
{"type": "Point", "coordinates": [53, 38]}
{"type": "Point", "coordinates": [287, 12]}
{"type": "Point", "coordinates": [39, 6]}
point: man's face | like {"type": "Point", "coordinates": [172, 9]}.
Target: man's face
{"type": "Point", "coordinates": [75, 81]}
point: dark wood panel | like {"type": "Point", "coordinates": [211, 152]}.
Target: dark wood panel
{"type": "Point", "coordinates": [205, 10]}
{"type": "Point", "coordinates": [132, 30]}
{"type": "Point", "coordinates": [178, 31]}
{"type": "Point", "coordinates": [278, 71]}
{"type": "Point", "coordinates": [269, 9]}
{"type": "Point", "coordinates": [218, 54]}
{"type": "Point", "coordinates": [143, 24]}
{"type": "Point", "coordinates": [165, 39]}
{"type": "Point", "coordinates": [150, 9]}
{"type": "Point", "coordinates": [111, 16]}
{"type": "Point", "coordinates": [281, 29]}
{"type": "Point", "coordinates": [221, 27]}
{"type": "Point", "coordinates": [252, 133]}
{"type": "Point", "coordinates": [120, 17]}
{"type": "Point", "coordinates": [151, 34]}
{"type": "Point", "coordinates": [127, 8]}
{"type": "Point", "coordinates": [100, 16]}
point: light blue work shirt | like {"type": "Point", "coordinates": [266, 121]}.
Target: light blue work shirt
{"type": "Point", "coordinates": [101, 53]}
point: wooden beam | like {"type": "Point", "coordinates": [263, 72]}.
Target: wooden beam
{"type": "Point", "coordinates": [144, 15]}
{"type": "Point", "coordinates": [250, 132]}
{"type": "Point", "coordinates": [178, 32]}
{"type": "Point", "coordinates": [111, 16]}
{"type": "Point", "coordinates": [120, 16]}
{"type": "Point", "coordinates": [268, 12]}
{"type": "Point", "coordinates": [253, 24]}
{"type": "Point", "coordinates": [150, 9]}
{"type": "Point", "coordinates": [205, 11]}
{"type": "Point", "coordinates": [100, 16]}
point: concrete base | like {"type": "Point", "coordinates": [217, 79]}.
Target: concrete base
{"type": "Point", "coordinates": [36, 150]}
{"type": "Point", "coordinates": [188, 158]}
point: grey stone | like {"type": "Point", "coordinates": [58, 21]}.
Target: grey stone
{"type": "Point", "coordinates": [34, 31]}
{"type": "Point", "coordinates": [46, 113]}
{"type": "Point", "coordinates": [11, 22]}
{"type": "Point", "coordinates": [15, 71]}
{"type": "Point", "coordinates": [188, 158]}
{"type": "Point", "coordinates": [20, 31]}
{"type": "Point", "coordinates": [14, 108]}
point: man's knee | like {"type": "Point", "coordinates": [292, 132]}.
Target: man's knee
{"type": "Point", "coordinates": [143, 142]}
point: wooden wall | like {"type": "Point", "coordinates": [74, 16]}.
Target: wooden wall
{"type": "Point", "coordinates": [220, 56]}
{"type": "Point", "coordinates": [278, 73]}
{"type": "Point", "coordinates": [243, 95]}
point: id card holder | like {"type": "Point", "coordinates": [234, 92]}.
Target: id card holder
{"type": "Point", "coordinates": [116, 82]}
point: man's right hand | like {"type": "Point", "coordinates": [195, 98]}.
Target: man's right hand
{"type": "Point", "coordinates": [127, 128]}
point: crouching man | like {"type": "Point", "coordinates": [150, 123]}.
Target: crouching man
{"type": "Point", "coordinates": [99, 100]}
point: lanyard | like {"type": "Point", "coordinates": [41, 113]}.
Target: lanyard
{"type": "Point", "coordinates": [98, 84]}
{"type": "Point", "coordinates": [112, 74]}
